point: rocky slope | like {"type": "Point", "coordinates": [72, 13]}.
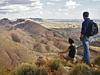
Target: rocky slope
{"type": "Point", "coordinates": [22, 41]}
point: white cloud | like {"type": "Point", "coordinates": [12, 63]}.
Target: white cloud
{"type": "Point", "coordinates": [37, 8]}
{"type": "Point", "coordinates": [2, 1]}
{"type": "Point", "coordinates": [55, 0]}
{"type": "Point", "coordinates": [26, 6]}
{"type": "Point", "coordinates": [15, 8]}
{"type": "Point", "coordinates": [36, 4]}
{"type": "Point", "coordinates": [62, 10]}
{"type": "Point", "coordinates": [34, 0]}
{"type": "Point", "coordinates": [96, 0]}
{"type": "Point", "coordinates": [50, 3]}
{"type": "Point", "coordinates": [71, 4]}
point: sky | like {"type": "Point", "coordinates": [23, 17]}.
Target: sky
{"type": "Point", "coordinates": [49, 9]}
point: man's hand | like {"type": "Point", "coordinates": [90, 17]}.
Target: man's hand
{"type": "Point", "coordinates": [81, 37]}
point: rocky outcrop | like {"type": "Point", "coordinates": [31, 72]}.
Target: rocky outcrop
{"type": "Point", "coordinates": [5, 21]}
{"type": "Point", "coordinates": [31, 27]}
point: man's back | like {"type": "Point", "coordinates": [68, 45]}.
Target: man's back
{"type": "Point", "coordinates": [85, 24]}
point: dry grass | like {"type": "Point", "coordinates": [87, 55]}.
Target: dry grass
{"type": "Point", "coordinates": [95, 48]}
{"type": "Point", "coordinates": [96, 72]}
{"type": "Point", "coordinates": [25, 69]}
{"type": "Point", "coordinates": [29, 69]}
{"type": "Point", "coordinates": [81, 69]}
{"type": "Point", "coordinates": [55, 65]}
{"type": "Point", "coordinates": [41, 71]}
{"type": "Point", "coordinates": [12, 53]}
{"type": "Point", "coordinates": [97, 60]}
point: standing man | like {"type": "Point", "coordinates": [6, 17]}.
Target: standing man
{"type": "Point", "coordinates": [84, 38]}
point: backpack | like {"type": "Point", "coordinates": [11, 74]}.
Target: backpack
{"type": "Point", "coordinates": [92, 28]}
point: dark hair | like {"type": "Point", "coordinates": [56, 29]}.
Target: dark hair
{"type": "Point", "coordinates": [70, 41]}
{"type": "Point", "coordinates": [85, 14]}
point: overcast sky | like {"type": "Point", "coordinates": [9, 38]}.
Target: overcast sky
{"type": "Point", "coordinates": [52, 9]}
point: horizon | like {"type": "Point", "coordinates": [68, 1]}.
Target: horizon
{"type": "Point", "coordinates": [43, 18]}
{"type": "Point", "coordinates": [49, 9]}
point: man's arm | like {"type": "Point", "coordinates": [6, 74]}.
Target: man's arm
{"type": "Point", "coordinates": [64, 51]}
{"type": "Point", "coordinates": [83, 30]}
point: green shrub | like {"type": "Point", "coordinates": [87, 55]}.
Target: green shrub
{"type": "Point", "coordinates": [4, 71]}
{"type": "Point", "coordinates": [96, 72]}
{"type": "Point", "coordinates": [25, 69]}
{"type": "Point", "coordinates": [97, 61]}
{"type": "Point", "coordinates": [29, 69]}
{"type": "Point", "coordinates": [81, 69]}
{"type": "Point", "coordinates": [55, 65]}
{"type": "Point", "coordinates": [41, 72]}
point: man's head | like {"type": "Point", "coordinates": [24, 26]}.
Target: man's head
{"type": "Point", "coordinates": [85, 15]}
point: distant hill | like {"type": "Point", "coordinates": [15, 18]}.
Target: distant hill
{"type": "Point", "coordinates": [22, 41]}
{"type": "Point", "coordinates": [70, 20]}
{"type": "Point", "coordinates": [65, 20]}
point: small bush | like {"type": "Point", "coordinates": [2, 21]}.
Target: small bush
{"type": "Point", "coordinates": [40, 61]}
{"type": "Point", "coordinates": [15, 37]}
{"type": "Point", "coordinates": [81, 69]}
{"type": "Point", "coordinates": [25, 69]}
{"type": "Point", "coordinates": [55, 65]}
{"type": "Point", "coordinates": [96, 72]}
{"type": "Point", "coordinates": [29, 69]}
{"type": "Point", "coordinates": [4, 71]}
{"type": "Point", "coordinates": [97, 61]}
{"type": "Point", "coordinates": [41, 72]}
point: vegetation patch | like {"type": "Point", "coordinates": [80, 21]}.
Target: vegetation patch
{"type": "Point", "coordinates": [81, 69]}
{"type": "Point", "coordinates": [55, 65]}
{"type": "Point", "coordinates": [25, 69]}
{"type": "Point", "coordinates": [97, 60]}
{"type": "Point", "coordinates": [96, 72]}
{"type": "Point", "coordinates": [15, 37]}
